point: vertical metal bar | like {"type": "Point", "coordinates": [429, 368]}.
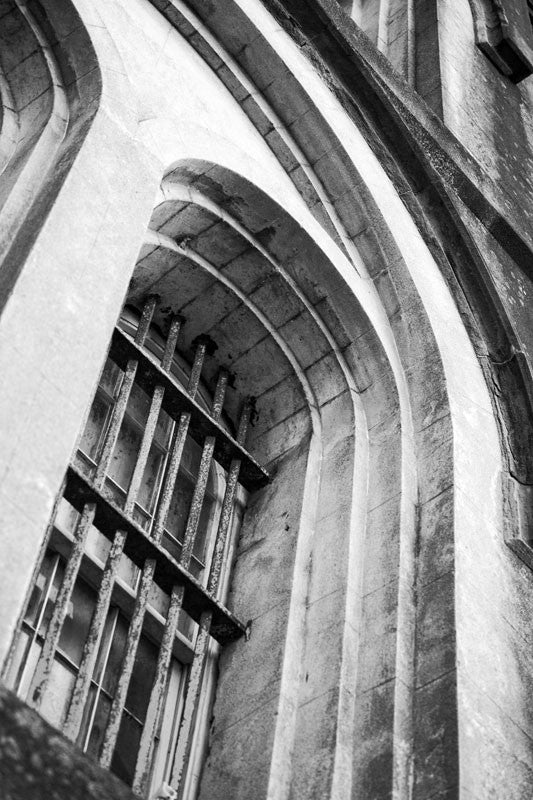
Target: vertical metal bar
{"type": "Point", "coordinates": [203, 474]}
{"type": "Point", "coordinates": [72, 723]}
{"type": "Point", "coordinates": [46, 659]}
{"type": "Point", "coordinates": [132, 641]}
{"type": "Point", "coordinates": [162, 673]}
{"type": "Point", "coordinates": [153, 416]}
{"type": "Point", "coordinates": [194, 685]}
{"type": "Point", "coordinates": [178, 442]}
{"type": "Point", "coordinates": [119, 409]}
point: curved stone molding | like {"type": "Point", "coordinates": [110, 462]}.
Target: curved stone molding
{"type": "Point", "coordinates": [311, 263]}
{"type": "Point", "coordinates": [43, 122]}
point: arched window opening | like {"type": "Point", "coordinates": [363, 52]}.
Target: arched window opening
{"type": "Point", "coordinates": [128, 600]}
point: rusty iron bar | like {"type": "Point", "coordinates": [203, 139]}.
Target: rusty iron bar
{"type": "Point", "coordinates": [192, 699]}
{"type": "Point", "coordinates": [178, 443]}
{"type": "Point", "coordinates": [45, 663]}
{"type": "Point", "coordinates": [119, 409]}
{"type": "Point", "coordinates": [177, 401]}
{"type": "Point", "coordinates": [71, 727]}
{"type": "Point", "coordinates": [132, 641]}
{"type": "Point", "coordinates": [139, 546]}
{"type": "Point", "coordinates": [158, 692]}
{"type": "Point", "coordinates": [203, 474]}
{"type": "Point", "coordinates": [153, 416]}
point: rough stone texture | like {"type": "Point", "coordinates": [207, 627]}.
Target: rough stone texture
{"type": "Point", "coordinates": [367, 272]}
{"type": "Point", "coordinates": [37, 762]}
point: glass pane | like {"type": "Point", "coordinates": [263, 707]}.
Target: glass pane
{"type": "Point", "coordinates": [192, 453]}
{"type": "Point", "coordinates": [40, 587]}
{"type": "Point", "coordinates": [29, 669]}
{"type": "Point", "coordinates": [125, 452]}
{"type": "Point", "coordinates": [172, 710]}
{"type": "Point", "coordinates": [163, 429]}
{"type": "Point", "coordinates": [76, 625]}
{"type": "Point", "coordinates": [99, 723]}
{"type": "Point", "coordinates": [111, 378]}
{"type": "Point", "coordinates": [125, 755]}
{"type": "Point", "coordinates": [96, 422]}
{"type": "Point", "coordinates": [152, 477]}
{"type": "Point", "coordinates": [52, 594]}
{"type": "Point", "coordinates": [204, 526]}
{"type": "Point", "coordinates": [115, 654]}
{"type": "Point", "coordinates": [142, 678]}
{"type": "Point", "coordinates": [58, 692]}
{"type": "Point", "coordinates": [179, 506]}
{"type": "Point", "coordinates": [138, 405]}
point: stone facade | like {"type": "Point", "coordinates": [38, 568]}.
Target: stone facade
{"type": "Point", "coordinates": [349, 215]}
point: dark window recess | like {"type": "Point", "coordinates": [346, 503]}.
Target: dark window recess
{"type": "Point", "coordinates": [504, 33]}
{"type": "Point", "coordinates": [113, 645]}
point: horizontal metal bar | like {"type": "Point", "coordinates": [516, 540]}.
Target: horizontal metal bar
{"type": "Point", "coordinates": [110, 518]}
{"type": "Point", "coordinates": [176, 401]}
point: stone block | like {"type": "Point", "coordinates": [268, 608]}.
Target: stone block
{"type": "Point", "coordinates": [382, 545]}
{"type": "Point", "coordinates": [329, 382]}
{"type": "Point", "coordinates": [436, 637]}
{"type": "Point", "coordinates": [373, 753]}
{"type": "Point", "coordinates": [436, 739]}
{"type": "Point", "coordinates": [314, 751]}
{"type": "Point", "coordinates": [377, 659]}
{"type": "Point", "coordinates": [436, 537]}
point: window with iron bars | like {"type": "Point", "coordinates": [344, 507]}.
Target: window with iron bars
{"type": "Point", "coordinates": [126, 606]}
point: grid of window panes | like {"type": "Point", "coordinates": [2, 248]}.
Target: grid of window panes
{"type": "Point", "coordinates": [110, 653]}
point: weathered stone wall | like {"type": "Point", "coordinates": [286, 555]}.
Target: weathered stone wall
{"type": "Point", "coordinates": [489, 114]}
{"type": "Point", "coordinates": [368, 565]}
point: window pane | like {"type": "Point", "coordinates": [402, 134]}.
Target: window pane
{"type": "Point", "coordinates": [125, 453]}
{"type": "Point", "coordinates": [40, 587]}
{"type": "Point", "coordinates": [151, 478]}
{"type": "Point", "coordinates": [96, 422]}
{"type": "Point", "coordinates": [112, 653]}
{"type": "Point", "coordinates": [142, 678]}
{"type": "Point", "coordinates": [125, 755]}
{"type": "Point", "coordinates": [110, 378]}
{"type": "Point", "coordinates": [52, 594]}
{"type": "Point", "coordinates": [77, 621]}
{"type": "Point", "coordinates": [58, 691]}
{"type": "Point", "coordinates": [179, 506]}
{"type": "Point", "coordinates": [96, 736]}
